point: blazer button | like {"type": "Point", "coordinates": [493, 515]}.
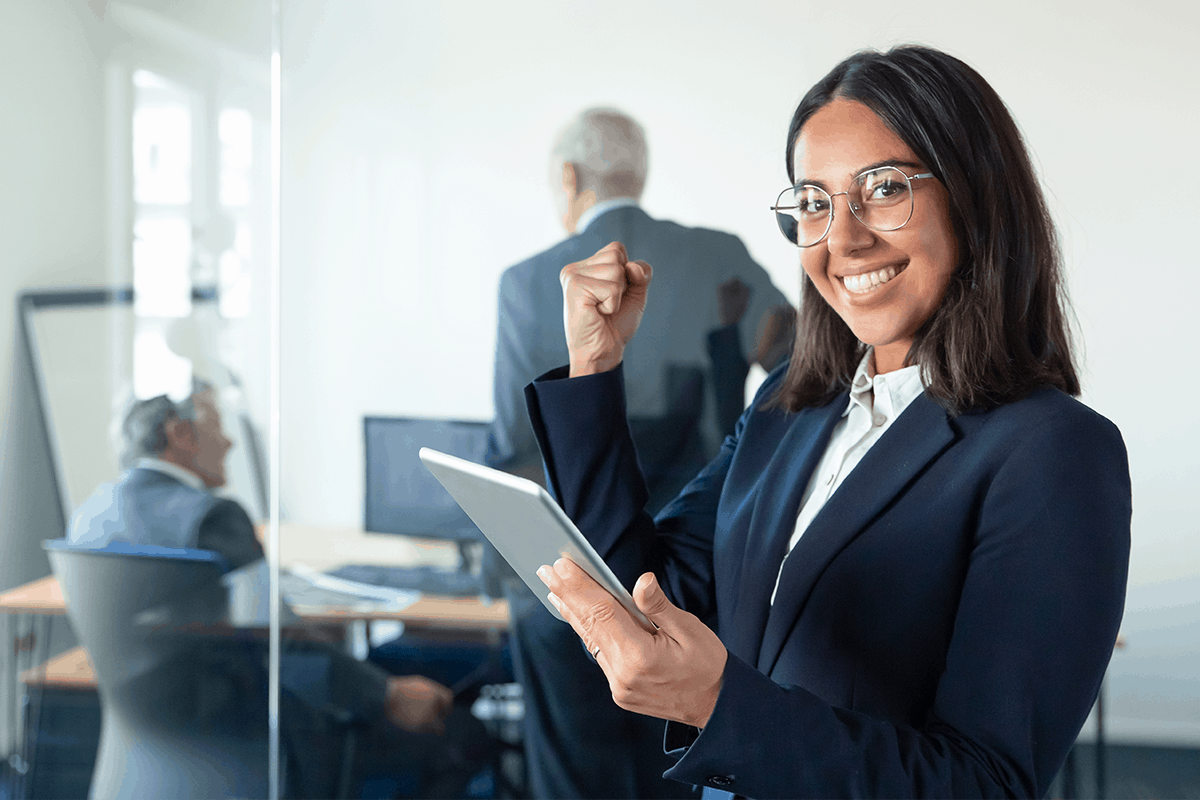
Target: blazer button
{"type": "Point", "coordinates": [721, 780]}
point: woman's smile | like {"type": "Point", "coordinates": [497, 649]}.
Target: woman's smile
{"type": "Point", "coordinates": [865, 283]}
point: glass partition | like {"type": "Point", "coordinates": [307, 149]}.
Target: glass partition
{"type": "Point", "coordinates": [140, 651]}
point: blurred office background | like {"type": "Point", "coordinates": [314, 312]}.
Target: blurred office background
{"type": "Point", "coordinates": [135, 150]}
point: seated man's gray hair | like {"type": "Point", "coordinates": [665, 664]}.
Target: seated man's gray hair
{"type": "Point", "coordinates": [608, 151]}
{"type": "Point", "coordinates": [143, 427]}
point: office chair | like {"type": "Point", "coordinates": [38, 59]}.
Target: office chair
{"type": "Point", "coordinates": [183, 698]}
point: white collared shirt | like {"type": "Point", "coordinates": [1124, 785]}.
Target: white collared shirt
{"type": "Point", "coordinates": [186, 477]}
{"type": "Point", "coordinates": [589, 216]}
{"type": "Point", "coordinates": [875, 403]}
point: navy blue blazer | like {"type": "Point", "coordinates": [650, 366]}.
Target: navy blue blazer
{"type": "Point", "coordinates": [941, 628]}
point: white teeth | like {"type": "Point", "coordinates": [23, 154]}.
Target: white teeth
{"type": "Point", "coordinates": [861, 284]}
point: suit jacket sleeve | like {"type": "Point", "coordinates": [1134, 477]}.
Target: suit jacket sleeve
{"type": "Point", "coordinates": [604, 492]}
{"type": "Point", "coordinates": [1032, 631]}
{"type": "Point", "coordinates": [729, 370]}
{"type": "Point", "coordinates": [519, 358]}
{"type": "Point", "coordinates": [764, 296]}
{"type": "Point", "coordinates": [227, 530]}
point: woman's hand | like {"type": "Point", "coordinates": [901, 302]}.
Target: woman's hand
{"type": "Point", "coordinates": [603, 300]}
{"type": "Point", "coordinates": [672, 674]}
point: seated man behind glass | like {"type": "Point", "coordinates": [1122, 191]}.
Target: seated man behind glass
{"type": "Point", "coordinates": [174, 454]}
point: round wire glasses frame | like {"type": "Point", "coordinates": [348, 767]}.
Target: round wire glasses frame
{"type": "Point", "coordinates": [880, 198]}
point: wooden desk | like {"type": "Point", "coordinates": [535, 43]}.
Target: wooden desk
{"type": "Point", "coordinates": [70, 670]}
{"type": "Point", "coordinates": [43, 596]}
{"type": "Point", "coordinates": [318, 547]}
{"type": "Point", "coordinates": [73, 669]}
{"type": "Point", "coordinates": [323, 548]}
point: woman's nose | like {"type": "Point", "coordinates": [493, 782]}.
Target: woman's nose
{"type": "Point", "coordinates": [847, 234]}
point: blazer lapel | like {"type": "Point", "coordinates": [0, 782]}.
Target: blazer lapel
{"type": "Point", "coordinates": [920, 433]}
{"type": "Point", "coordinates": [774, 518]}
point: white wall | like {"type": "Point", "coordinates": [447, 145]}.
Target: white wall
{"type": "Point", "coordinates": [415, 172]}
{"type": "Point", "coordinates": [51, 158]}
{"type": "Point", "coordinates": [51, 224]}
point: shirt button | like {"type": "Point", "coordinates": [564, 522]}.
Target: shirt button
{"type": "Point", "coordinates": [879, 420]}
{"type": "Point", "coordinates": [720, 780]}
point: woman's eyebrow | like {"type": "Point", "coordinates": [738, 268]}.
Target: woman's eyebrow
{"type": "Point", "coordinates": [889, 162]}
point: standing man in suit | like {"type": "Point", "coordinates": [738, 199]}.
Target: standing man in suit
{"type": "Point", "coordinates": [578, 742]}
{"type": "Point", "coordinates": [174, 452]}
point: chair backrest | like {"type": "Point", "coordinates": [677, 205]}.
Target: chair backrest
{"type": "Point", "coordinates": [117, 595]}
{"type": "Point", "coordinates": [183, 701]}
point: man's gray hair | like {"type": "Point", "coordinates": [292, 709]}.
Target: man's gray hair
{"type": "Point", "coordinates": [144, 426]}
{"type": "Point", "coordinates": [608, 150]}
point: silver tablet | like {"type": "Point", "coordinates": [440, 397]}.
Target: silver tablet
{"type": "Point", "coordinates": [525, 524]}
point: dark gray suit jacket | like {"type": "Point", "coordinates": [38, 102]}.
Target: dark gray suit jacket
{"type": "Point", "coordinates": [689, 264]}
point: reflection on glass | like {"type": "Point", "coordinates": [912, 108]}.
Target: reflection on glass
{"type": "Point", "coordinates": [157, 370]}
{"type": "Point", "coordinates": [162, 195]}
{"type": "Point", "coordinates": [240, 206]}
{"type": "Point", "coordinates": [162, 141]}
{"type": "Point", "coordinates": [162, 250]}
{"type": "Point", "coordinates": [235, 129]}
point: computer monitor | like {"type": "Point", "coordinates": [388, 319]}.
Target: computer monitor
{"type": "Point", "coordinates": [402, 496]}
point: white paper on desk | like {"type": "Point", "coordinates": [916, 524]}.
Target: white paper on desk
{"type": "Point", "coordinates": [304, 586]}
{"type": "Point", "coordinates": [249, 599]}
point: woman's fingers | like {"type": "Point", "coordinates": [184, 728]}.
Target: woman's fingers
{"type": "Point", "coordinates": [603, 300]}
{"type": "Point", "coordinates": [596, 616]}
{"type": "Point", "coordinates": [674, 673]}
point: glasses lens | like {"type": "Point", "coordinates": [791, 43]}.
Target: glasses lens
{"type": "Point", "coordinates": [803, 214]}
{"type": "Point", "coordinates": [814, 203]}
{"type": "Point", "coordinates": [785, 214]}
{"type": "Point", "coordinates": [882, 199]}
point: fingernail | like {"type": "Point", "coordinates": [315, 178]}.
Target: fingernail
{"type": "Point", "coordinates": [554, 601]}
{"type": "Point", "coordinates": [561, 566]}
{"type": "Point", "coordinates": [544, 573]}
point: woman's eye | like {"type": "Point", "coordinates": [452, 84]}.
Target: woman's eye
{"type": "Point", "coordinates": [884, 190]}
{"type": "Point", "coordinates": [813, 206]}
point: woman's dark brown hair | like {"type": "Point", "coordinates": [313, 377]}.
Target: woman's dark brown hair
{"type": "Point", "coordinates": [1000, 331]}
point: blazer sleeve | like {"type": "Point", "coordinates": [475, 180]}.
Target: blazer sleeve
{"type": "Point", "coordinates": [764, 295]}
{"type": "Point", "coordinates": [729, 370]}
{"type": "Point", "coordinates": [519, 357]}
{"type": "Point", "coordinates": [1033, 630]}
{"type": "Point", "coordinates": [227, 530]}
{"type": "Point", "coordinates": [599, 484]}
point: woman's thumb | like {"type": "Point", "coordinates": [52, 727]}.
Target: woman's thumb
{"type": "Point", "coordinates": [651, 599]}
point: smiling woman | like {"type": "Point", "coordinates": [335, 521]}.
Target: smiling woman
{"type": "Point", "coordinates": [884, 284]}
{"type": "Point", "coordinates": [914, 547]}
{"type": "Point", "coordinates": [989, 323]}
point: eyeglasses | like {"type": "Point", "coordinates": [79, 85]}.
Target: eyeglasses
{"type": "Point", "coordinates": [880, 198]}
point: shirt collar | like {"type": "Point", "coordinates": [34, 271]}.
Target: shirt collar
{"type": "Point", "coordinates": [589, 216]}
{"type": "Point", "coordinates": [887, 394]}
{"type": "Point", "coordinates": [186, 477]}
